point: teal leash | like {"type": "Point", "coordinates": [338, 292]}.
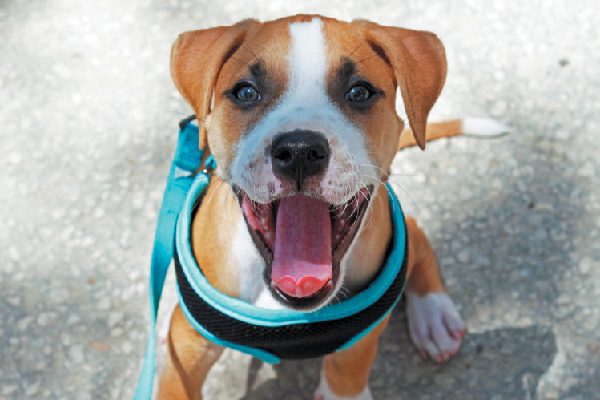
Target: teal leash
{"type": "Point", "coordinates": [182, 174]}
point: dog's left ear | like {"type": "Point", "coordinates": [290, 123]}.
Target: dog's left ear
{"type": "Point", "coordinates": [196, 59]}
{"type": "Point", "coordinates": [419, 63]}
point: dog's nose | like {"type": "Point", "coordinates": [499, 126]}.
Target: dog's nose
{"type": "Point", "coordinates": [299, 154]}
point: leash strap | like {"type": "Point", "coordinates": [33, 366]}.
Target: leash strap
{"type": "Point", "coordinates": [186, 162]}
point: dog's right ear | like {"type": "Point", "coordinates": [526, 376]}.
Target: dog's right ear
{"type": "Point", "coordinates": [197, 58]}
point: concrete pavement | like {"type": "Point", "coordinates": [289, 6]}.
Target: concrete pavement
{"type": "Point", "coordinates": [87, 126]}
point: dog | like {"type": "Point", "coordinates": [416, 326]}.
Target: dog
{"type": "Point", "coordinates": [300, 116]}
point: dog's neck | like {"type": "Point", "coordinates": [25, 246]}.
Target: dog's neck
{"type": "Point", "coordinates": [236, 268]}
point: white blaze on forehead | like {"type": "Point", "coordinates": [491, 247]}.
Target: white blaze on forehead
{"type": "Point", "coordinates": [305, 105]}
{"type": "Point", "coordinates": [307, 63]}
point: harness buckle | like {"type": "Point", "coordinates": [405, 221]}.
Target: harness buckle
{"type": "Point", "coordinates": [189, 156]}
{"type": "Point", "coordinates": [209, 165]}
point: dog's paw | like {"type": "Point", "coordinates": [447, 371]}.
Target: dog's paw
{"type": "Point", "coordinates": [434, 325]}
{"type": "Point", "coordinates": [323, 392]}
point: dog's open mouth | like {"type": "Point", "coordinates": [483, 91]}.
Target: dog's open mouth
{"type": "Point", "coordinates": [303, 240]}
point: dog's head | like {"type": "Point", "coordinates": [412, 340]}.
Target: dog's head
{"type": "Point", "coordinates": [300, 114]}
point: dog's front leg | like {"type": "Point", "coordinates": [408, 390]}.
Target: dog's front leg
{"type": "Point", "coordinates": [434, 323]}
{"type": "Point", "coordinates": [190, 357]}
{"type": "Point", "coordinates": [345, 374]}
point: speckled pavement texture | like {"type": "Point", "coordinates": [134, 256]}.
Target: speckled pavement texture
{"type": "Point", "coordinates": [87, 126]}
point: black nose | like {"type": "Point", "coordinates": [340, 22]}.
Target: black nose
{"type": "Point", "coordinates": [299, 154]}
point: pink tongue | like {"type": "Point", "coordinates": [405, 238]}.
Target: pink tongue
{"type": "Point", "coordinates": [302, 253]}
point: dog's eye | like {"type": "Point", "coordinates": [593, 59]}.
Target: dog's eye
{"type": "Point", "coordinates": [359, 93]}
{"type": "Point", "coordinates": [247, 94]}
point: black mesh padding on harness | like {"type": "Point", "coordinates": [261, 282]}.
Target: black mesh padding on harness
{"type": "Point", "coordinates": [290, 341]}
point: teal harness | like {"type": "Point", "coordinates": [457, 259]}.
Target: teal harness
{"type": "Point", "coordinates": [230, 322]}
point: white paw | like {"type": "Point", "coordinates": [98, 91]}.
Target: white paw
{"type": "Point", "coordinates": [323, 392]}
{"type": "Point", "coordinates": [434, 325]}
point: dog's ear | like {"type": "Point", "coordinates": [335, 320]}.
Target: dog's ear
{"type": "Point", "coordinates": [419, 64]}
{"type": "Point", "coordinates": [197, 58]}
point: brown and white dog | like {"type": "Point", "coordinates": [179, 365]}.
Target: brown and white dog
{"type": "Point", "coordinates": [300, 114]}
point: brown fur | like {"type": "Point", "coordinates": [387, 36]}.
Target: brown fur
{"type": "Point", "coordinates": [348, 371]}
{"type": "Point", "coordinates": [207, 63]}
{"type": "Point", "coordinates": [219, 216]}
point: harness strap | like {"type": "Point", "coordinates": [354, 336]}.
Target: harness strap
{"type": "Point", "coordinates": [186, 162]}
{"type": "Point", "coordinates": [184, 176]}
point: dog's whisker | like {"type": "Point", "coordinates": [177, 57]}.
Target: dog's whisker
{"type": "Point", "coordinates": [367, 196]}
{"type": "Point", "coordinates": [213, 190]}
{"type": "Point", "coordinates": [405, 191]}
{"type": "Point", "coordinates": [243, 62]}
{"type": "Point", "coordinates": [354, 50]}
{"type": "Point", "coordinates": [248, 49]}
{"type": "Point", "coordinates": [366, 58]}
{"type": "Point", "coordinates": [389, 175]}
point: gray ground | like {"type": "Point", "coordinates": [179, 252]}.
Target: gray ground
{"type": "Point", "coordinates": [88, 120]}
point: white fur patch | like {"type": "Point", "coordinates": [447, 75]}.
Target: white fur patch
{"type": "Point", "coordinates": [324, 392]}
{"type": "Point", "coordinates": [434, 325]}
{"type": "Point", "coordinates": [307, 62]}
{"type": "Point", "coordinates": [305, 105]}
{"type": "Point", "coordinates": [483, 127]}
{"type": "Point", "coordinates": [249, 261]}
{"type": "Point", "coordinates": [251, 266]}
{"type": "Point", "coordinates": [266, 300]}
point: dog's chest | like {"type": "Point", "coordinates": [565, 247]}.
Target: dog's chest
{"type": "Point", "coordinates": [250, 266]}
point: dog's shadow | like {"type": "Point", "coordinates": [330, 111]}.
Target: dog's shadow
{"type": "Point", "coordinates": [399, 372]}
